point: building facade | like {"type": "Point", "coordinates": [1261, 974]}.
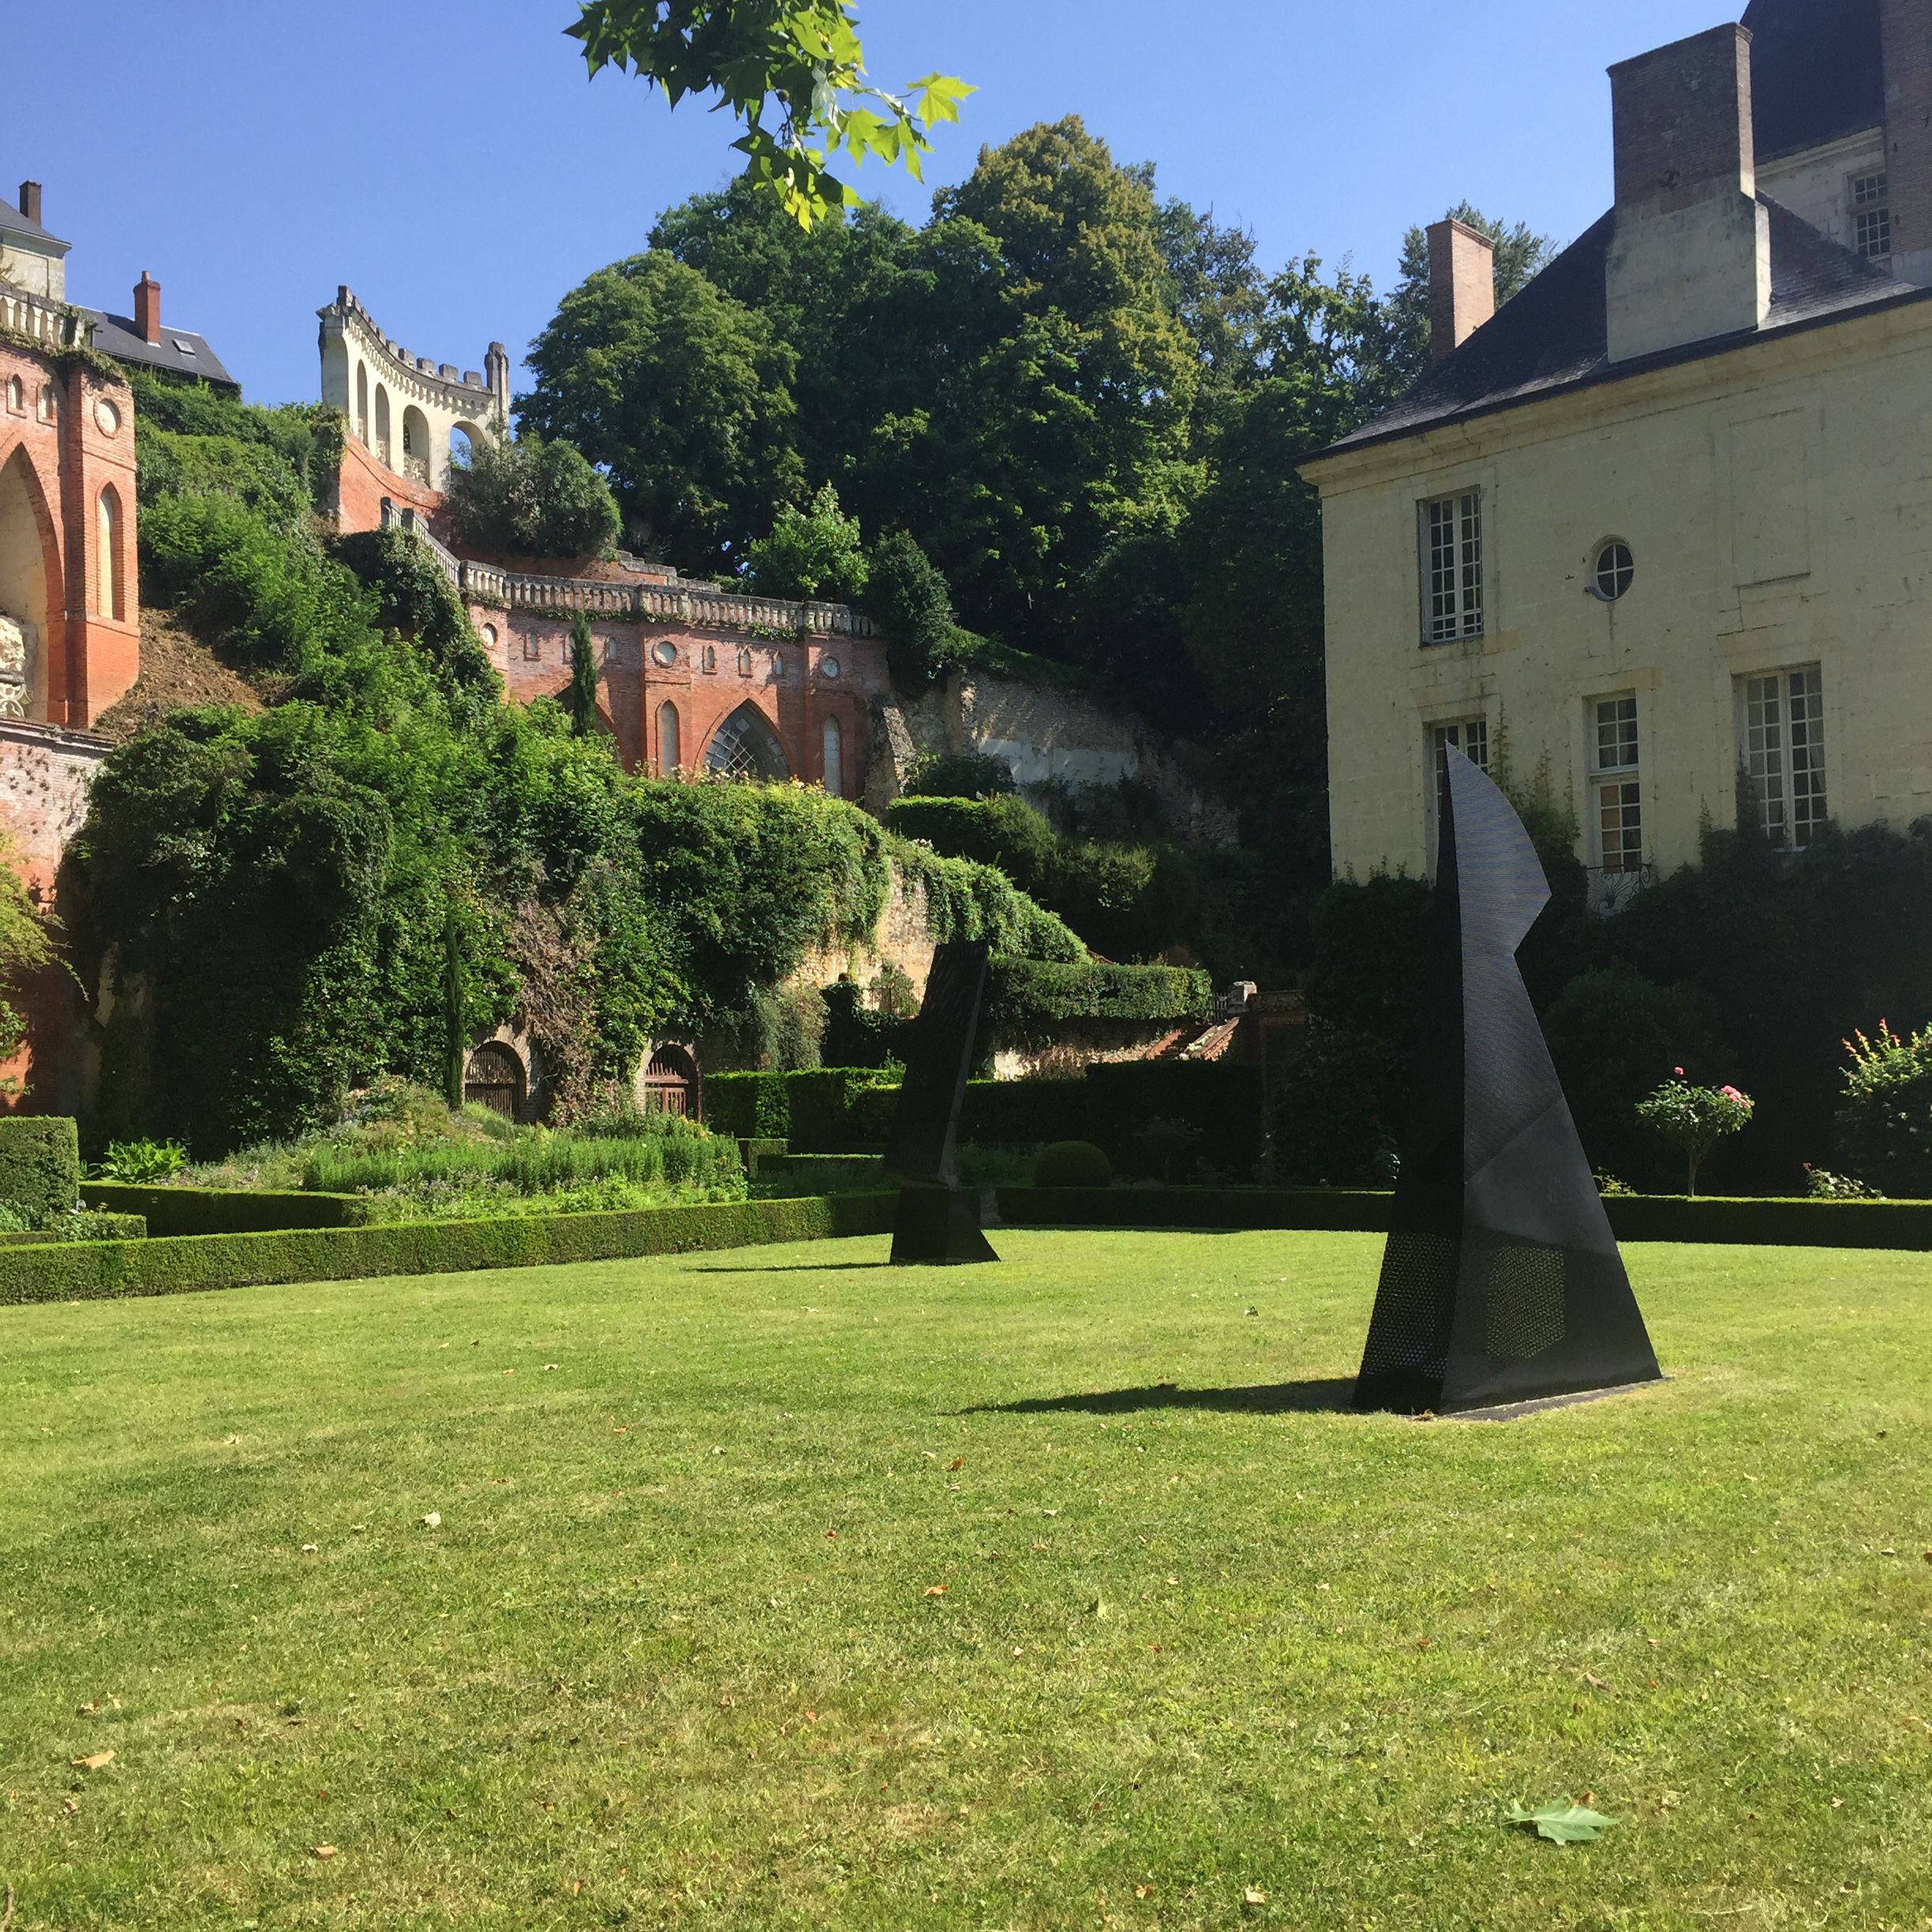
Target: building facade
{"type": "Point", "coordinates": [1660, 525]}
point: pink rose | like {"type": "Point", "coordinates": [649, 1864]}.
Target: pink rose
{"type": "Point", "coordinates": [1678, 1071]}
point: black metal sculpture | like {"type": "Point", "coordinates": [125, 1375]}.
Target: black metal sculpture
{"type": "Point", "coordinates": [1501, 1281]}
{"type": "Point", "coordinates": [938, 1220]}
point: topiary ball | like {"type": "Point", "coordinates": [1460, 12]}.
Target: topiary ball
{"type": "Point", "coordinates": [1072, 1164]}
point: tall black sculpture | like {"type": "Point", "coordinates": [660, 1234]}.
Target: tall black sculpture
{"type": "Point", "coordinates": [1501, 1281]}
{"type": "Point", "coordinates": [938, 1220]}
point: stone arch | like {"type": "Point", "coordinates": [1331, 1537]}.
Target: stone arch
{"type": "Point", "coordinates": [361, 402]}
{"type": "Point", "coordinates": [670, 747]}
{"type": "Point", "coordinates": [16, 396]}
{"type": "Point", "coordinates": [465, 439]}
{"type": "Point", "coordinates": [494, 1076]}
{"type": "Point", "coordinates": [415, 443]}
{"type": "Point", "coordinates": [746, 746]}
{"type": "Point", "coordinates": [832, 743]}
{"type": "Point", "coordinates": [668, 1081]}
{"type": "Point", "coordinates": [49, 405]}
{"type": "Point", "coordinates": [109, 571]}
{"type": "Point", "coordinates": [30, 584]}
{"type": "Point", "coordinates": [382, 425]}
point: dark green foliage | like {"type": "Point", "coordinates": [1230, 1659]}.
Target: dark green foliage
{"type": "Point", "coordinates": [1218, 1100]}
{"type": "Point", "coordinates": [855, 1035]}
{"type": "Point", "coordinates": [1884, 1124]}
{"type": "Point", "coordinates": [225, 1211]}
{"type": "Point", "coordinates": [532, 498]}
{"type": "Point", "coordinates": [960, 774]}
{"type": "Point", "coordinates": [81, 1224]}
{"type": "Point", "coordinates": [415, 600]}
{"type": "Point", "coordinates": [1339, 1108]}
{"type": "Point", "coordinates": [181, 1265]}
{"type": "Point", "coordinates": [679, 394]}
{"type": "Point", "coordinates": [1031, 1003]}
{"type": "Point", "coordinates": [298, 435]}
{"type": "Point", "coordinates": [582, 699]}
{"type": "Point", "coordinates": [815, 552]}
{"type": "Point", "coordinates": [1023, 1113]}
{"type": "Point", "coordinates": [1071, 1164]}
{"type": "Point", "coordinates": [907, 593]}
{"type": "Point", "coordinates": [673, 1152]}
{"type": "Point", "coordinates": [39, 1163]}
{"type": "Point", "coordinates": [256, 475]}
{"type": "Point", "coordinates": [1614, 1036]}
{"type": "Point", "coordinates": [810, 1110]}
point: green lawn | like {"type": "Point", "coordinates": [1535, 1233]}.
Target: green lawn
{"type": "Point", "coordinates": [1198, 1634]}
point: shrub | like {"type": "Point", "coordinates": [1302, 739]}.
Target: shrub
{"type": "Point", "coordinates": [1822, 1184]}
{"type": "Point", "coordinates": [258, 477]}
{"type": "Point", "coordinates": [1337, 1107]}
{"type": "Point", "coordinates": [959, 774]}
{"type": "Point", "coordinates": [909, 598]}
{"type": "Point", "coordinates": [1885, 1115]}
{"type": "Point", "coordinates": [1033, 1002]}
{"type": "Point", "coordinates": [143, 1160]}
{"type": "Point", "coordinates": [813, 552]}
{"type": "Point", "coordinates": [1695, 1119]}
{"type": "Point", "coordinates": [533, 498]}
{"type": "Point", "coordinates": [40, 1165]}
{"type": "Point", "coordinates": [1072, 1164]}
{"type": "Point", "coordinates": [1219, 1100]}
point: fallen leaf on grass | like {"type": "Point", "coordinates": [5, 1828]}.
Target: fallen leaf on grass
{"type": "Point", "coordinates": [322, 1851]}
{"type": "Point", "coordinates": [433, 1521]}
{"type": "Point", "coordinates": [311, 1549]}
{"type": "Point", "coordinates": [1561, 1821]}
{"type": "Point", "coordinates": [1146, 1891]}
{"type": "Point", "coordinates": [958, 1462]}
{"type": "Point", "coordinates": [1254, 1895]}
{"type": "Point", "coordinates": [1596, 1684]}
{"type": "Point", "coordinates": [935, 1589]}
{"type": "Point", "coordinates": [94, 1763]}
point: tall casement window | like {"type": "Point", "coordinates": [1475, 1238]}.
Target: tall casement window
{"type": "Point", "coordinates": [1616, 793]}
{"type": "Point", "coordinates": [832, 743]}
{"type": "Point", "coordinates": [670, 753]}
{"type": "Point", "coordinates": [1781, 744]}
{"type": "Point", "coordinates": [1470, 736]}
{"type": "Point", "coordinates": [1452, 568]}
{"type": "Point", "coordinates": [107, 515]}
{"type": "Point", "coordinates": [1871, 196]}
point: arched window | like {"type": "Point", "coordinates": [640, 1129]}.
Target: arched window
{"type": "Point", "coordinates": [744, 661]}
{"type": "Point", "coordinates": [834, 758]}
{"type": "Point", "coordinates": [494, 1078]}
{"type": "Point", "coordinates": [382, 426]}
{"type": "Point", "coordinates": [668, 1082]}
{"type": "Point", "coordinates": [16, 396]}
{"type": "Point", "coordinates": [416, 445]}
{"type": "Point", "coordinates": [361, 404]}
{"type": "Point", "coordinates": [463, 442]}
{"type": "Point", "coordinates": [108, 575]}
{"type": "Point", "coordinates": [746, 746]}
{"type": "Point", "coordinates": [669, 759]}
{"type": "Point", "coordinates": [47, 404]}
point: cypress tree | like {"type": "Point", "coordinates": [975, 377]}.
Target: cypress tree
{"type": "Point", "coordinates": [583, 684]}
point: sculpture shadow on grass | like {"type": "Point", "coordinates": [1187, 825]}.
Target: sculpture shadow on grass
{"type": "Point", "coordinates": [1320, 1395]}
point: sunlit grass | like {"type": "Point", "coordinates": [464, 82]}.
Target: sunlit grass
{"type": "Point", "coordinates": [804, 1591]}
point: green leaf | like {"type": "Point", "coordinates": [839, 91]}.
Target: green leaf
{"type": "Point", "coordinates": [1561, 1821]}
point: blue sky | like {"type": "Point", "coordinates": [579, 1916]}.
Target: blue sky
{"type": "Point", "coordinates": [448, 160]}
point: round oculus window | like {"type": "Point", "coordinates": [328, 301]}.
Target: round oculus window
{"type": "Point", "coordinates": [1615, 571]}
{"type": "Point", "coordinates": [106, 415]}
{"type": "Point", "coordinates": [665, 652]}
{"type": "Point", "coordinates": [830, 667]}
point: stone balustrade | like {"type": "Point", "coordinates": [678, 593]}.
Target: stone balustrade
{"type": "Point", "coordinates": [52, 324]}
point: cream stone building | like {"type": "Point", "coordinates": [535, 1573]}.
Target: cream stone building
{"type": "Point", "coordinates": [1668, 515]}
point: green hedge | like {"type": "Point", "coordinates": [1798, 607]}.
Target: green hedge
{"type": "Point", "coordinates": [808, 1109]}
{"type": "Point", "coordinates": [180, 1264]}
{"type": "Point", "coordinates": [1022, 1113]}
{"type": "Point", "coordinates": [225, 1211]}
{"type": "Point", "coordinates": [79, 1226]}
{"type": "Point", "coordinates": [1752, 1222]}
{"type": "Point", "coordinates": [1034, 1001]}
{"type": "Point", "coordinates": [1220, 1099]}
{"type": "Point", "coordinates": [825, 1173]}
{"type": "Point", "coordinates": [40, 1162]}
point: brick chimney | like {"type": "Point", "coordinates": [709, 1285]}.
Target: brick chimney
{"type": "Point", "coordinates": [30, 201]}
{"type": "Point", "coordinates": [147, 308]}
{"type": "Point", "coordinates": [1905, 29]}
{"type": "Point", "coordinates": [1461, 285]}
{"type": "Point", "coordinates": [1690, 258]}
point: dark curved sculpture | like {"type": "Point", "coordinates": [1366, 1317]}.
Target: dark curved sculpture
{"type": "Point", "coordinates": [938, 1220]}
{"type": "Point", "coordinates": [1501, 1281]}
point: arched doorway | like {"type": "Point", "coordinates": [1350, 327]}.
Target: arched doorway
{"type": "Point", "coordinates": [464, 439]}
{"type": "Point", "coordinates": [415, 444]}
{"type": "Point", "coordinates": [668, 1083]}
{"type": "Point", "coordinates": [746, 746]}
{"type": "Point", "coordinates": [670, 751]}
{"type": "Point", "coordinates": [24, 527]}
{"type": "Point", "coordinates": [494, 1078]}
{"type": "Point", "coordinates": [362, 403]}
{"type": "Point", "coordinates": [834, 748]}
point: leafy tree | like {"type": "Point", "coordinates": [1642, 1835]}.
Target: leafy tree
{"type": "Point", "coordinates": [1520, 256]}
{"type": "Point", "coordinates": [792, 71]}
{"type": "Point", "coordinates": [534, 498]}
{"type": "Point", "coordinates": [909, 597]}
{"type": "Point", "coordinates": [582, 701]}
{"type": "Point", "coordinates": [813, 552]}
{"type": "Point", "coordinates": [680, 395]}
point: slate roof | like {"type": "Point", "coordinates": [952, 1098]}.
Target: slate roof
{"type": "Point", "coordinates": [181, 352]}
{"type": "Point", "coordinates": [1818, 72]}
{"type": "Point", "coordinates": [13, 222]}
{"type": "Point", "coordinates": [1554, 335]}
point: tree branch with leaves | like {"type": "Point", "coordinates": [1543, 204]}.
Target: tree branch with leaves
{"type": "Point", "coordinates": [792, 71]}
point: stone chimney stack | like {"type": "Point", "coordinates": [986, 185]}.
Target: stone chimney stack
{"type": "Point", "coordinates": [1690, 258]}
{"type": "Point", "coordinates": [30, 201]}
{"type": "Point", "coordinates": [147, 308]}
{"type": "Point", "coordinates": [1461, 285]}
{"type": "Point", "coordinates": [1905, 29]}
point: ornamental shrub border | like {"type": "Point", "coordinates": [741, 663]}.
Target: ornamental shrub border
{"type": "Point", "coordinates": [1742, 1223]}
{"type": "Point", "coordinates": [182, 1264]}
{"type": "Point", "coordinates": [171, 1211]}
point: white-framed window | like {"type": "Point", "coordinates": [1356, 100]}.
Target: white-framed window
{"type": "Point", "coordinates": [1870, 197]}
{"type": "Point", "coordinates": [1470, 736]}
{"type": "Point", "coordinates": [1781, 745]}
{"type": "Point", "coordinates": [1613, 571]}
{"type": "Point", "coordinates": [1616, 790]}
{"type": "Point", "coordinates": [1452, 568]}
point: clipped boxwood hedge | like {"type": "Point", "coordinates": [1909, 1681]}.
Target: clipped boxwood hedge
{"type": "Point", "coordinates": [225, 1211]}
{"type": "Point", "coordinates": [182, 1264]}
{"type": "Point", "coordinates": [40, 1162]}
{"type": "Point", "coordinates": [1744, 1222]}
{"type": "Point", "coordinates": [1034, 1001]}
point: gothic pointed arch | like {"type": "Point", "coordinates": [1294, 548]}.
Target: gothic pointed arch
{"type": "Point", "coordinates": [31, 589]}
{"type": "Point", "coordinates": [745, 746]}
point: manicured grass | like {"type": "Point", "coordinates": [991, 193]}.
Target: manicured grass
{"type": "Point", "coordinates": [1193, 1639]}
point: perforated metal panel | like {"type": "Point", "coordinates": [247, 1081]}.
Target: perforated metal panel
{"type": "Point", "coordinates": [1524, 1312]}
